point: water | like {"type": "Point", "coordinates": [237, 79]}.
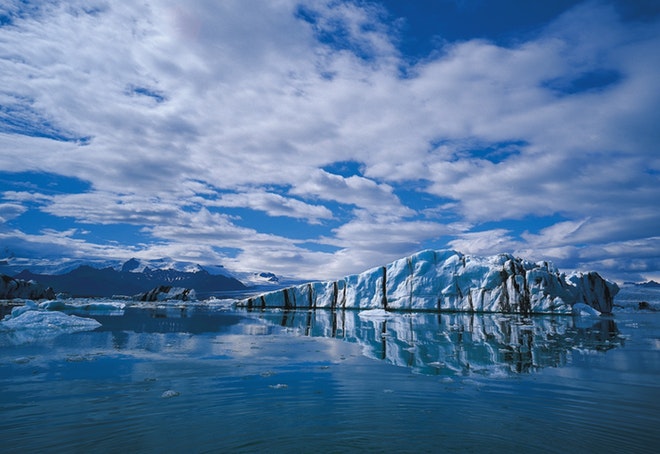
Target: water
{"type": "Point", "coordinates": [209, 378]}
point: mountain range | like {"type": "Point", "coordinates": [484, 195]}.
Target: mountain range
{"type": "Point", "coordinates": [87, 281]}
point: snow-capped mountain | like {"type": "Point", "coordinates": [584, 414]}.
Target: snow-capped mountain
{"type": "Point", "coordinates": [447, 280]}
{"type": "Point", "coordinates": [250, 279]}
{"type": "Point", "coordinates": [135, 265]}
{"type": "Point", "coordinates": [131, 278]}
{"type": "Point", "coordinates": [13, 266]}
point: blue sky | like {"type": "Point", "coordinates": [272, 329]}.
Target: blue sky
{"type": "Point", "coordinates": [319, 138]}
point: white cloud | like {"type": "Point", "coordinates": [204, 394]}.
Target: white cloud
{"type": "Point", "coordinates": [486, 242]}
{"type": "Point", "coordinates": [9, 211]}
{"type": "Point", "coordinates": [354, 190]}
{"type": "Point", "coordinates": [172, 111]}
{"type": "Point", "coordinates": [274, 205]}
{"type": "Point", "coordinates": [111, 208]}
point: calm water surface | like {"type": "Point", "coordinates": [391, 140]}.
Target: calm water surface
{"type": "Point", "coordinates": [215, 379]}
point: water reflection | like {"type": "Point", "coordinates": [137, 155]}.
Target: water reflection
{"type": "Point", "coordinates": [168, 319]}
{"type": "Point", "coordinates": [458, 343]}
{"type": "Point", "coordinates": [445, 344]}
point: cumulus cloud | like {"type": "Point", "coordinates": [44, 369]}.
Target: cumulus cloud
{"type": "Point", "coordinates": [9, 211]}
{"type": "Point", "coordinates": [354, 190]}
{"type": "Point", "coordinates": [175, 111]}
{"type": "Point", "coordinates": [274, 205]}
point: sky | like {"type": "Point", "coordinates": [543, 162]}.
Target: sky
{"type": "Point", "coordinates": [316, 139]}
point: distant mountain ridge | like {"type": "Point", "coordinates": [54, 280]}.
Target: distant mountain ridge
{"type": "Point", "coordinates": [649, 284]}
{"type": "Point", "coordinates": [87, 281]}
{"type": "Point", "coordinates": [13, 266]}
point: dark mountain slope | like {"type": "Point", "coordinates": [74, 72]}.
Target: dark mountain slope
{"type": "Point", "coordinates": [87, 281]}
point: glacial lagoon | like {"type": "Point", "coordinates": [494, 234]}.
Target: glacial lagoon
{"type": "Point", "coordinates": [208, 377]}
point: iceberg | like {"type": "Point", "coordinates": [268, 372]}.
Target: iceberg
{"type": "Point", "coordinates": [86, 306]}
{"type": "Point", "coordinates": [11, 288]}
{"type": "Point", "coordinates": [29, 323]}
{"type": "Point", "coordinates": [167, 293]}
{"type": "Point", "coordinates": [447, 280]}
{"type": "Point", "coordinates": [47, 320]}
{"type": "Point", "coordinates": [374, 314]}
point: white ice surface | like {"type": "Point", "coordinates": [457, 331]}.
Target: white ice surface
{"type": "Point", "coordinates": [29, 324]}
{"type": "Point", "coordinates": [630, 296]}
{"type": "Point", "coordinates": [447, 280]}
{"type": "Point", "coordinates": [47, 320]}
{"type": "Point", "coordinates": [89, 305]}
{"type": "Point", "coordinates": [583, 309]}
{"type": "Point", "coordinates": [375, 314]}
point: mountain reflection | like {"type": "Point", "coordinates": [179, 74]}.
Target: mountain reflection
{"type": "Point", "coordinates": [458, 343]}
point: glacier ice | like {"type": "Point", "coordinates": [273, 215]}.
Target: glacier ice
{"type": "Point", "coordinates": [29, 323]}
{"type": "Point", "coordinates": [11, 288]}
{"type": "Point", "coordinates": [85, 306]}
{"type": "Point", "coordinates": [47, 320]}
{"type": "Point", "coordinates": [167, 293]}
{"type": "Point", "coordinates": [169, 394]}
{"type": "Point", "coordinates": [447, 280]}
{"type": "Point", "coordinates": [583, 309]}
{"type": "Point", "coordinates": [374, 314]}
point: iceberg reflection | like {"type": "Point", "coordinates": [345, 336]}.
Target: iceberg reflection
{"type": "Point", "coordinates": [457, 343]}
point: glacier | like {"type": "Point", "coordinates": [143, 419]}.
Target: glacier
{"type": "Point", "coordinates": [448, 280]}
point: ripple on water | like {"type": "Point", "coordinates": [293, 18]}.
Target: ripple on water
{"type": "Point", "coordinates": [361, 392]}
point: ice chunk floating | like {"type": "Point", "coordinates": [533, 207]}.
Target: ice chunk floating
{"type": "Point", "coordinates": [28, 323]}
{"type": "Point", "coordinates": [448, 280]}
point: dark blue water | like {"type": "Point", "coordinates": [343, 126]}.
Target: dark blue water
{"type": "Point", "coordinates": [213, 379]}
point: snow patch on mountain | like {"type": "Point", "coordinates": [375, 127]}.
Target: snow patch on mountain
{"type": "Point", "coordinates": [14, 265]}
{"type": "Point", "coordinates": [135, 265]}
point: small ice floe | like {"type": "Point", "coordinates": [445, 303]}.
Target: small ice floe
{"type": "Point", "coordinates": [375, 314]}
{"type": "Point", "coordinates": [169, 394]}
{"type": "Point", "coordinates": [86, 306]}
{"type": "Point", "coordinates": [29, 305]}
{"type": "Point", "coordinates": [48, 321]}
{"type": "Point", "coordinates": [77, 358]}
{"type": "Point", "coordinates": [22, 360]}
{"type": "Point", "coordinates": [645, 306]}
{"type": "Point", "coordinates": [28, 324]}
{"type": "Point", "coordinates": [584, 310]}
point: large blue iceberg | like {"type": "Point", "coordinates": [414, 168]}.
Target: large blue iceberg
{"type": "Point", "coordinates": [448, 280]}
